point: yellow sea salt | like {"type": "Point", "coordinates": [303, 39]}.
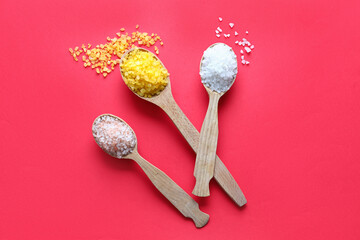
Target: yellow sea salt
{"type": "Point", "coordinates": [143, 73]}
{"type": "Point", "coordinates": [104, 57]}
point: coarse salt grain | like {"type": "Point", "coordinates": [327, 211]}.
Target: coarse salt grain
{"type": "Point", "coordinates": [252, 46]}
{"type": "Point", "coordinates": [220, 19]}
{"type": "Point", "coordinates": [114, 136]}
{"type": "Point", "coordinates": [216, 31]}
{"type": "Point", "coordinates": [218, 68]}
{"type": "Point", "coordinates": [219, 29]}
{"type": "Point", "coordinates": [241, 51]}
{"type": "Point", "coordinates": [247, 49]}
{"type": "Point", "coordinates": [247, 32]}
{"type": "Point", "coordinates": [218, 35]}
{"type": "Point", "coordinates": [231, 25]}
{"type": "Point", "coordinates": [236, 33]}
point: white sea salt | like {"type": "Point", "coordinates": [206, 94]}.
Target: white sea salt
{"type": "Point", "coordinates": [114, 136]}
{"type": "Point", "coordinates": [220, 19]}
{"type": "Point", "coordinates": [247, 32]}
{"type": "Point", "coordinates": [241, 51]}
{"type": "Point", "coordinates": [231, 25]}
{"type": "Point", "coordinates": [218, 35]}
{"type": "Point", "coordinates": [236, 33]}
{"type": "Point", "coordinates": [218, 67]}
{"type": "Point", "coordinates": [219, 29]}
{"type": "Point", "coordinates": [247, 49]}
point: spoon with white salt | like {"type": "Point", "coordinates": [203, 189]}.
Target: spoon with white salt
{"type": "Point", "coordinates": [218, 69]}
{"type": "Point", "coordinates": [116, 138]}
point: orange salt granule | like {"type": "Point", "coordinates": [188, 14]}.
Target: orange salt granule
{"type": "Point", "coordinates": [104, 57]}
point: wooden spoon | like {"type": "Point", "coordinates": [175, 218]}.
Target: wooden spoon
{"type": "Point", "coordinates": [176, 195]}
{"type": "Point", "coordinates": [166, 102]}
{"type": "Point", "coordinates": [205, 158]}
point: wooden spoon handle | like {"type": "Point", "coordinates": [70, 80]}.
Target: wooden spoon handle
{"type": "Point", "coordinates": [205, 157]}
{"type": "Point", "coordinates": [175, 194]}
{"type": "Point", "coordinates": [192, 136]}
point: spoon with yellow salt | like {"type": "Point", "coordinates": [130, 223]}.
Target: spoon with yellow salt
{"type": "Point", "coordinates": [117, 139]}
{"type": "Point", "coordinates": [134, 68]}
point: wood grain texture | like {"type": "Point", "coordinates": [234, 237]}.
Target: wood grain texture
{"type": "Point", "coordinates": [205, 157]}
{"type": "Point", "coordinates": [222, 175]}
{"type": "Point", "coordinates": [175, 194]}
{"type": "Point", "coordinates": [166, 101]}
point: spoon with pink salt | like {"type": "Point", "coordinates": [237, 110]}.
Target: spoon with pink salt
{"type": "Point", "coordinates": [115, 137]}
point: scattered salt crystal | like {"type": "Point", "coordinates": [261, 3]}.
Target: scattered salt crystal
{"type": "Point", "coordinates": [220, 19]}
{"type": "Point", "coordinates": [219, 29]}
{"type": "Point", "coordinates": [247, 32]}
{"type": "Point", "coordinates": [252, 46]}
{"type": "Point", "coordinates": [236, 42]}
{"type": "Point", "coordinates": [236, 33]}
{"type": "Point", "coordinates": [241, 51]}
{"type": "Point", "coordinates": [243, 61]}
{"type": "Point", "coordinates": [242, 57]}
{"type": "Point", "coordinates": [247, 62]}
{"type": "Point", "coordinates": [231, 25]}
{"type": "Point", "coordinates": [218, 35]}
{"type": "Point", "coordinates": [113, 136]}
{"type": "Point", "coordinates": [247, 49]}
{"type": "Point", "coordinates": [218, 68]}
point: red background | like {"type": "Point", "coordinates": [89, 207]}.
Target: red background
{"type": "Point", "coordinates": [289, 127]}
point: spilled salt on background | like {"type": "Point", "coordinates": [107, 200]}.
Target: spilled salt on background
{"type": "Point", "coordinates": [245, 45]}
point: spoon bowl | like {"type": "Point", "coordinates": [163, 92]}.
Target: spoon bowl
{"type": "Point", "coordinates": [234, 76]}
{"type": "Point", "coordinates": [153, 98]}
{"type": "Point", "coordinates": [117, 139]}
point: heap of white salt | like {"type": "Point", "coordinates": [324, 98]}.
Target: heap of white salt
{"type": "Point", "coordinates": [114, 136]}
{"type": "Point", "coordinates": [218, 67]}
